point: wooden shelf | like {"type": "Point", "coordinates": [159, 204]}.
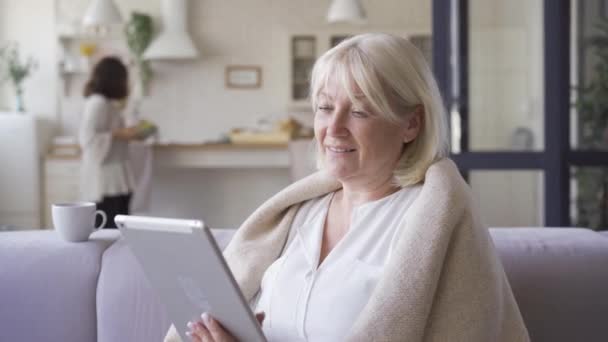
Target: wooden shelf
{"type": "Point", "coordinates": [211, 155]}
{"type": "Point", "coordinates": [221, 156]}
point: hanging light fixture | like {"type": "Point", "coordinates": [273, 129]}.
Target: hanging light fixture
{"type": "Point", "coordinates": [350, 11]}
{"type": "Point", "coordinates": [101, 13]}
{"type": "Point", "coordinates": [173, 42]}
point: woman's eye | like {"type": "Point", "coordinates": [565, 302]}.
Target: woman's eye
{"type": "Point", "coordinates": [324, 108]}
{"type": "Point", "coordinates": [359, 114]}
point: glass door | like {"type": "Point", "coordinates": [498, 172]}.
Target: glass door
{"type": "Point", "coordinates": [504, 71]}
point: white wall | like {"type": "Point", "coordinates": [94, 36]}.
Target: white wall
{"type": "Point", "coordinates": [244, 33]}
{"type": "Point", "coordinates": [254, 32]}
{"type": "Point", "coordinates": [222, 198]}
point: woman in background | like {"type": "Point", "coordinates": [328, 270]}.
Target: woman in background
{"type": "Point", "coordinates": [103, 137]}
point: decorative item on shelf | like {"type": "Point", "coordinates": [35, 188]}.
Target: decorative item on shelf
{"type": "Point", "coordinates": [138, 32]}
{"type": "Point", "coordinates": [244, 137]}
{"type": "Point", "coordinates": [346, 11]}
{"type": "Point", "coordinates": [279, 133]}
{"type": "Point", "coordinates": [173, 42]}
{"type": "Point", "coordinates": [87, 49]}
{"type": "Point", "coordinates": [64, 146]}
{"type": "Point", "coordinates": [243, 76]}
{"type": "Point", "coordinates": [101, 14]}
{"type": "Point", "coordinates": [15, 70]}
{"type": "Point", "coordinates": [522, 139]}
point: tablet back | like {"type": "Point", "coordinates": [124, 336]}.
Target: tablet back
{"type": "Point", "coordinates": [186, 268]}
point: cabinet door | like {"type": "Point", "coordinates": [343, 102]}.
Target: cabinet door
{"type": "Point", "coordinates": [61, 184]}
{"type": "Point", "coordinates": [304, 52]}
{"type": "Point", "coordinates": [19, 171]}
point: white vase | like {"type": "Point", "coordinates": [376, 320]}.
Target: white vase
{"type": "Point", "coordinates": [19, 105]}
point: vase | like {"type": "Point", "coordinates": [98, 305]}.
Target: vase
{"type": "Point", "coordinates": [19, 105]}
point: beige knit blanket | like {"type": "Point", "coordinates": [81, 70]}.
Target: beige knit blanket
{"type": "Point", "coordinates": [443, 281]}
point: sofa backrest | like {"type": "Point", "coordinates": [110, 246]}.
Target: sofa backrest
{"type": "Point", "coordinates": [48, 286]}
{"type": "Point", "coordinates": [559, 277]}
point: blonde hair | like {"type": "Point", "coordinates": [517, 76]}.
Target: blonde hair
{"type": "Point", "coordinates": [395, 79]}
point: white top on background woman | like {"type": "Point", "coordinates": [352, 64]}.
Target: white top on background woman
{"type": "Point", "coordinates": [103, 137]}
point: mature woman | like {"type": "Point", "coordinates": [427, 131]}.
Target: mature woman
{"type": "Point", "coordinates": [383, 244]}
{"type": "Point", "coordinates": [103, 137]}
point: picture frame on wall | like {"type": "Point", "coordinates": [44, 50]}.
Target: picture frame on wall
{"type": "Point", "coordinates": [243, 76]}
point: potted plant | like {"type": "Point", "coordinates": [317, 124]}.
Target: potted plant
{"type": "Point", "coordinates": [138, 32]}
{"type": "Point", "coordinates": [16, 70]}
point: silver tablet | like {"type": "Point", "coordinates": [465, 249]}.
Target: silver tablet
{"type": "Point", "coordinates": [187, 269]}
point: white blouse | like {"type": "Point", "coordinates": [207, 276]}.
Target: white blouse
{"type": "Point", "coordinates": [104, 169]}
{"type": "Point", "coordinates": [306, 303]}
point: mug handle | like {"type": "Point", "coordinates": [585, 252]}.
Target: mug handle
{"type": "Point", "coordinates": [104, 218]}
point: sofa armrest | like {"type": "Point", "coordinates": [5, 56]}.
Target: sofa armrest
{"type": "Point", "coordinates": [47, 286]}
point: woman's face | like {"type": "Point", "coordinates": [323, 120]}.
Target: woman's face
{"type": "Point", "coordinates": [356, 144]}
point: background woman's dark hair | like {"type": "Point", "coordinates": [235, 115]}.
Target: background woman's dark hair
{"type": "Point", "coordinates": [109, 78]}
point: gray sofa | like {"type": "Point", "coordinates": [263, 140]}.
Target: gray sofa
{"type": "Point", "coordinates": [52, 290]}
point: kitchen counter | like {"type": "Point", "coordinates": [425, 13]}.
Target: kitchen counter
{"type": "Point", "coordinates": [220, 183]}
{"type": "Point", "coordinates": [222, 155]}
{"type": "Point", "coordinates": [211, 155]}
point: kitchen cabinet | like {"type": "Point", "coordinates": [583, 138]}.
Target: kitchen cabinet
{"type": "Point", "coordinates": [19, 171]}
{"type": "Point", "coordinates": [61, 173]}
{"type": "Point", "coordinates": [306, 46]}
{"type": "Point", "coordinates": [61, 176]}
{"type": "Point", "coordinates": [303, 52]}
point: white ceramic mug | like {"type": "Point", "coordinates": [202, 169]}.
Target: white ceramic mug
{"type": "Point", "coordinates": [76, 221]}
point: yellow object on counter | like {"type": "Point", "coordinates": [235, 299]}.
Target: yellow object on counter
{"type": "Point", "coordinates": [277, 137]}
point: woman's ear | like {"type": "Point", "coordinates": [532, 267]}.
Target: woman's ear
{"type": "Point", "coordinates": [413, 124]}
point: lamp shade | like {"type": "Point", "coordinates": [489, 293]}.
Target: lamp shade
{"type": "Point", "coordinates": [351, 11]}
{"type": "Point", "coordinates": [101, 12]}
{"type": "Point", "coordinates": [173, 42]}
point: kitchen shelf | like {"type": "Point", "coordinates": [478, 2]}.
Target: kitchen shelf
{"type": "Point", "coordinates": [303, 56]}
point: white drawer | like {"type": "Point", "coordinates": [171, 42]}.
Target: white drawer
{"type": "Point", "coordinates": [62, 168]}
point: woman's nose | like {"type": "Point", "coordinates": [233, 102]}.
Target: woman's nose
{"type": "Point", "coordinates": [337, 123]}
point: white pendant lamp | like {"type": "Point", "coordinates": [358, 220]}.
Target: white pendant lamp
{"type": "Point", "coordinates": [173, 42]}
{"type": "Point", "coordinates": [101, 13]}
{"type": "Point", "coordinates": [346, 11]}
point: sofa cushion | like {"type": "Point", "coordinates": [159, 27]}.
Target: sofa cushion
{"type": "Point", "coordinates": [559, 279]}
{"type": "Point", "coordinates": [47, 286]}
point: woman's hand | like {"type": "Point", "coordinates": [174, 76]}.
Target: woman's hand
{"type": "Point", "coordinates": [210, 330]}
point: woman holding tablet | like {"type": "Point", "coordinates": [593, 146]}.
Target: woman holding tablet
{"type": "Point", "coordinates": [384, 242]}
